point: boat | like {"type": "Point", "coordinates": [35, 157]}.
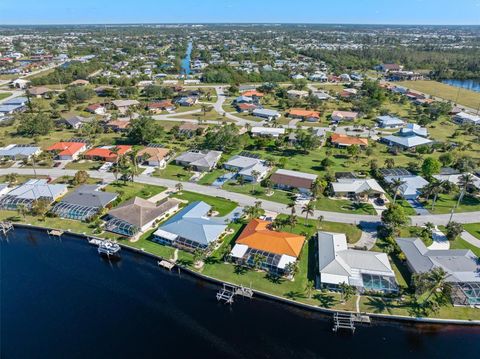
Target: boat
{"type": "Point", "coordinates": [108, 248]}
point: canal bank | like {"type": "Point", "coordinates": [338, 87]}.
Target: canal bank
{"type": "Point", "coordinates": [265, 295]}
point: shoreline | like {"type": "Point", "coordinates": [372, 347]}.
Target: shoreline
{"type": "Point", "coordinates": [268, 296]}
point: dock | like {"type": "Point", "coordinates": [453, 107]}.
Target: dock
{"type": "Point", "coordinates": [6, 227]}
{"type": "Point", "coordinates": [108, 248]}
{"type": "Point", "coordinates": [55, 233]}
{"type": "Point", "coordinates": [166, 264]}
{"type": "Point", "coordinates": [343, 321]}
{"type": "Point", "coordinates": [228, 292]}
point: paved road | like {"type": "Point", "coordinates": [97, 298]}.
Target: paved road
{"type": "Point", "coordinates": [15, 93]}
{"type": "Point", "coordinates": [245, 200]}
{"type": "Point", "coordinates": [470, 239]}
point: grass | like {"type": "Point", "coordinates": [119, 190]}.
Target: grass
{"type": "Point", "coordinates": [173, 172]}
{"type": "Point", "coordinates": [85, 165]}
{"type": "Point", "coordinates": [446, 202]}
{"type": "Point", "coordinates": [210, 177]}
{"type": "Point", "coordinates": [221, 205]}
{"type": "Point", "coordinates": [473, 229]}
{"type": "Point", "coordinates": [132, 189]}
{"type": "Point", "coordinates": [258, 191]}
{"type": "Point", "coordinates": [342, 205]}
{"type": "Point", "coordinates": [437, 89]}
{"type": "Point", "coordinates": [4, 95]}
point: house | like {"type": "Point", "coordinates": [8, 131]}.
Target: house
{"type": "Point", "coordinates": [20, 83]}
{"type": "Point", "coordinates": [38, 92]}
{"type": "Point", "coordinates": [411, 187]}
{"type": "Point", "coordinates": [243, 99]}
{"type": "Point", "coordinates": [390, 122]}
{"type": "Point", "coordinates": [137, 215]}
{"type": "Point", "coordinates": [297, 94]}
{"type": "Point", "coordinates": [304, 115]}
{"type": "Point", "coordinates": [4, 189]}
{"type": "Point", "coordinates": [348, 92]}
{"type": "Point", "coordinates": [107, 153]}
{"type": "Point", "coordinates": [406, 142]}
{"type": "Point", "coordinates": [287, 180]}
{"type": "Point", "coordinates": [245, 107]}
{"type": "Point", "coordinates": [119, 125]}
{"type": "Point", "coordinates": [189, 129]}
{"type": "Point", "coordinates": [154, 156]}
{"type": "Point", "coordinates": [186, 101]}
{"type": "Point", "coordinates": [412, 129]}
{"type": "Point", "coordinates": [76, 122]}
{"type": "Point", "coordinates": [357, 187]}
{"type": "Point", "coordinates": [191, 228]}
{"type": "Point", "coordinates": [83, 203]}
{"type": "Point", "coordinates": [253, 93]}
{"type": "Point", "coordinates": [338, 116]}
{"type": "Point", "coordinates": [277, 251]}
{"type": "Point", "coordinates": [246, 166]}
{"type": "Point", "coordinates": [337, 264]}
{"type": "Point", "coordinates": [31, 191]}
{"type": "Point", "coordinates": [461, 265]}
{"type": "Point", "coordinates": [454, 178]}
{"type": "Point", "coordinates": [123, 105]}
{"type": "Point", "coordinates": [67, 151]}
{"type": "Point", "coordinates": [97, 109]}
{"type": "Point", "coordinates": [19, 152]}
{"type": "Point", "coordinates": [13, 105]}
{"type": "Point", "coordinates": [200, 161]}
{"type": "Point", "coordinates": [340, 140]}
{"type": "Point", "coordinates": [160, 106]}
{"type": "Point", "coordinates": [266, 114]}
{"type": "Point", "coordinates": [466, 118]}
{"type": "Point", "coordinates": [267, 131]}
{"type": "Point", "coordinates": [389, 67]}
{"type": "Point", "coordinates": [79, 82]}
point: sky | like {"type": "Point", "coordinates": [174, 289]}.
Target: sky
{"type": "Point", "coordinates": [436, 12]}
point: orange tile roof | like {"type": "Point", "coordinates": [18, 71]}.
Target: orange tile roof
{"type": "Point", "coordinates": [66, 148]}
{"type": "Point", "coordinates": [107, 152]}
{"type": "Point", "coordinates": [303, 113]}
{"type": "Point", "coordinates": [252, 93]}
{"type": "Point", "coordinates": [256, 235]}
{"type": "Point", "coordinates": [348, 140]}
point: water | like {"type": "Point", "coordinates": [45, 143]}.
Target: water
{"type": "Point", "coordinates": [473, 85]}
{"type": "Point", "coordinates": [60, 299]}
{"type": "Point", "coordinates": [185, 65]}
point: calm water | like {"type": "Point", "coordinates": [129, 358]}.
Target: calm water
{"type": "Point", "coordinates": [59, 299]}
{"type": "Point", "coordinates": [473, 85]}
{"type": "Point", "coordinates": [186, 69]}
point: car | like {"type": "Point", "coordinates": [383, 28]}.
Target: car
{"type": "Point", "coordinates": [56, 164]}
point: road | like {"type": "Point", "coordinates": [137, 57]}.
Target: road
{"type": "Point", "coordinates": [245, 200]}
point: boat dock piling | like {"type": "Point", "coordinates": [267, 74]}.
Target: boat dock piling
{"type": "Point", "coordinates": [166, 264]}
{"type": "Point", "coordinates": [228, 292]}
{"type": "Point", "coordinates": [343, 321]}
{"type": "Point", "coordinates": [6, 227]}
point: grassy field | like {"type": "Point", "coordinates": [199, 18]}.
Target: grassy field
{"type": "Point", "coordinates": [445, 203]}
{"type": "Point", "coordinates": [4, 95]}
{"type": "Point", "coordinates": [451, 93]}
{"type": "Point", "coordinates": [223, 206]}
{"type": "Point", "coordinates": [85, 165]}
{"type": "Point", "coordinates": [173, 172]}
{"type": "Point", "coordinates": [210, 177]}
{"type": "Point", "coordinates": [473, 229]}
{"type": "Point", "coordinates": [131, 189]}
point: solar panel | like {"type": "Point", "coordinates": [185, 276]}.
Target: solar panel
{"type": "Point", "coordinates": [249, 155]}
{"type": "Point", "coordinates": [155, 145]}
{"type": "Point", "coordinates": [386, 172]}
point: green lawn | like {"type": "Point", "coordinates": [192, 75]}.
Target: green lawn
{"type": "Point", "coordinates": [174, 172]}
{"type": "Point", "coordinates": [85, 165]}
{"type": "Point", "coordinates": [132, 189]}
{"type": "Point", "coordinates": [257, 191]}
{"type": "Point", "coordinates": [4, 95]}
{"type": "Point", "coordinates": [473, 229]}
{"type": "Point", "coordinates": [342, 205]}
{"type": "Point", "coordinates": [459, 243]}
{"type": "Point", "coordinates": [210, 177]}
{"type": "Point", "coordinates": [223, 206]}
{"type": "Point", "coordinates": [446, 202]}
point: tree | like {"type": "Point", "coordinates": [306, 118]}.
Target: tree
{"type": "Point", "coordinates": [292, 221]}
{"type": "Point", "coordinates": [464, 183]}
{"type": "Point", "coordinates": [454, 229]}
{"type": "Point", "coordinates": [269, 184]}
{"type": "Point", "coordinates": [144, 130]}
{"type": "Point", "coordinates": [22, 210]}
{"type": "Point", "coordinates": [255, 175]}
{"type": "Point", "coordinates": [31, 125]}
{"type": "Point", "coordinates": [80, 177]}
{"type": "Point", "coordinates": [198, 255]}
{"type": "Point", "coordinates": [430, 167]}
{"type": "Point", "coordinates": [396, 184]}
{"type": "Point", "coordinates": [258, 260]}
{"type": "Point", "coordinates": [390, 162]}
{"type": "Point", "coordinates": [433, 283]}
{"type": "Point", "coordinates": [308, 209]}
{"type": "Point", "coordinates": [40, 207]}
{"type": "Point", "coordinates": [179, 187]}
{"type": "Point", "coordinates": [77, 94]}
{"type": "Point", "coordinates": [347, 291]}
{"type": "Point", "coordinates": [394, 216]}
{"type": "Point", "coordinates": [309, 288]}
{"type": "Point", "coordinates": [226, 138]}
{"type": "Point", "coordinates": [11, 178]}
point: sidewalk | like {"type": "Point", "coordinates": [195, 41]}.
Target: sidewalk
{"type": "Point", "coordinates": [470, 239]}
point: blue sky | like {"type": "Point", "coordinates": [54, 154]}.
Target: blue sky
{"type": "Point", "coordinates": [296, 11]}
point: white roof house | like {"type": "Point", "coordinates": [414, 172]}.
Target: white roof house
{"type": "Point", "coordinates": [455, 179]}
{"type": "Point", "coordinates": [246, 165]}
{"type": "Point", "coordinates": [267, 131]}
{"type": "Point", "coordinates": [337, 264]}
{"type": "Point", "coordinates": [414, 129]}
{"type": "Point", "coordinates": [266, 113]}
{"type": "Point", "coordinates": [356, 186]}
{"type": "Point", "coordinates": [16, 152]}
{"type": "Point", "coordinates": [390, 122]}
{"type": "Point", "coordinates": [406, 141]}
{"type": "Point", "coordinates": [464, 117]}
{"type": "Point", "coordinates": [411, 187]}
{"type": "Point", "coordinates": [199, 160]}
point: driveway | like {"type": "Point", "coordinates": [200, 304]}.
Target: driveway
{"type": "Point", "coordinates": [418, 207]}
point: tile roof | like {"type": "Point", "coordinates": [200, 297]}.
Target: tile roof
{"type": "Point", "coordinates": [348, 140]}
{"type": "Point", "coordinates": [66, 148]}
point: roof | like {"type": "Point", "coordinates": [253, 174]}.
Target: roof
{"type": "Point", "coordinates": [89, 196]}
{"type": "Point", "coordinates": [139, 212]}
{"type": "Point", "coordinates": [72, 121]}
{"type": "Point", "coordinates": [125, 103]}
{"type": "Point", "coordinates": [455, 178]}
{"type": "Point", "coordinates": [344, 114]}
{"type": "Point", "coordinates": [407, 141]}
{"type": "Point", "coordinates": [461, 264]}
{"type": "Point", "coordinates": [265, 112]}
{"type": "Point", "coordinates": [293, 178]}
{"type": "Point", "coordinates": [106, 152]}
{"type": "Point", "coordinates": [192, 223]}
{"type": "Point", "coordinates": [390, 120]}
{"type": "Point", "coordinates": [257, 235]}
{"type": "Point", "coordinates": [412, 184]}
{"type": "Point", "coordinates": [202, 159]}
{"type": "Point", "coordinates": [338, 262]}
{"type": "Point", "coordinates": [356, 185]}
{"type": "Point", "coordinates": [268, 130]}
{"type": "Point", "coordinates": [303, 113]}
{"type": "Point", "coordinates": [38, 188]}
{"type": "Point", "coordinates": [414, 129]}
{"type": "Point", "coordinates": [348, 140]}
{"type": "Point", "coordinates": [18, 150]}
{"type": "Point", "coordinates": [247, 165]}
{"type": "Point", "coordinates": [38, 91]}
{"type": "Point", "coordinates": [251, 93]}
{"type": "Point", "coordinates": [154, 152]}
{"type": "Point", "coordinates": [66, 148]}
{"type": "Point", "coordinates": [21, 100]}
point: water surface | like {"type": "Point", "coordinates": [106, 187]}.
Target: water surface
{"type": "Point", "coordinates": [60, 299]}
{"type": "Point", "coordinates": [473, 85]}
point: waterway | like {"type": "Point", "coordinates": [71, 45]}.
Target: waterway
{"type": "Point", "coordinates": [60, 299]}
{"type": "Point", "coordinates": [185, 65]}
{"type": "Point", "coordinates": [473, 85]}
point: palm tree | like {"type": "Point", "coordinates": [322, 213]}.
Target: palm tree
{"type": "Point", "coordinates": [22, 210]}
{"type": "Point", "coordinates": [464, 183]}
{"type": "Point", "coordinates": [433, 282]}
{"type": "Point", "coordinates": [255, 175]}
{"type": "Point", "coordinates": [291, 205]}
{"type": "Point", "coordinates": [308, 209]}
{"type": "Point", "coordinates": [269, 184]}
{"type": "Point", "coordinates": [134, 159]}
{"type": "Point", "coordinates": [179, 187]}
{"type": "Point", "coordinates": [258, 260]}
{"type": "Point", "coordinates": [347, 291]}
{"type": "Point", "coordinates": [319, 222]}
{"type": "Point", "coordinates": [395, 185]}
{"type": "Point", "coordinates": [11, 178]}
{"type": "Point", "coordinates": [292, 221]}
{"type": "Point", "coordinates": [309, 287]}
{"type": "Point", "coordinates": [317, 188]}
{"type": "Point", "coordinates": [441, 187]}
{"type": "Point", "coordinates": [390, 162]}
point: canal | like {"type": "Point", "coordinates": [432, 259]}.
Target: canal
{"type": "Point", "coordinates": [473, 85]}
{"type": "Point", "coordinates": [60, 299]}
{"type": "Point", "coordinates": [185, 65]}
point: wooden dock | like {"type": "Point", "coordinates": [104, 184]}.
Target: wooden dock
{"type": "Point", "coordinates": [343, 321]}
{"type": "Point", "coordinates": [55, 233]}
{"type": "Point", "coordinates": [228, 292]}
{"type": "Point", "coordinates": [6, 227]}
{"type": "Point", "coordinates": [166, 264]}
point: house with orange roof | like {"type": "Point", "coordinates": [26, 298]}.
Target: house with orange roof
{"type": "Point", "coordinates": [67, 151]}
{"type": "Point", "coordinates": [252, 93]}
{"type": "Point", "coordinates": [340, 140]}
{"type": "Point", "coordinates": [260, 246]}
{"type": "Point", "coordinates": [107, 153]}
{"type": "Point", "coordinates": [304, 115]}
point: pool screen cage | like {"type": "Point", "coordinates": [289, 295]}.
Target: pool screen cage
{"type": "Point", "coordinates": [121, 227]}
{"type": "Point", "coordinates": [379, 283]}
{"type": "Point", "coordinates": [467, 293]}
{"type": "Point", "coordinates": [74, 211]}
{"type": "Point", "coordinates": [13, 202]}
{"type": "Point", "coordinates": [269, 260]}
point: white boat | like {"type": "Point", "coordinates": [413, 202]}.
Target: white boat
{"type": "Point", "coordinates": [109, 248]}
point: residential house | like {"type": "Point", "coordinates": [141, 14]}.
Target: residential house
{"type": "Point", "coordinates": [246, 107]}
{"type": "Point", "coordinates": [76, 122]}
{"type": "Point", "coordinates": [406, 142]}
{"type": "Point", "coordinates": [191, 228]}
{"type": "Point", "coordinates": [31, 191]}
{"type": "Point", "coordinates": [20, 83]}
{"type": "Point", "coordinates": [119, 125]}
{"type": "Point", "coordinates": [160, 106]}
{"type": "Point", "coordinates": [466, 118]}
{"type": "Point", "coordinates": [304, 115]}
{"type": "Point", "coordinates": [107, 153]}
{"type": "Point", "coordinates": [412, 129]}
{"type": "Point", "coordinates": [19, 152]}
{"type": "Point", "coordinates": [83, 203]}
{"type": "Point", "coordinates": [455, 178]}
{"type": "Point", "coordinates": [267, 131]}
{"type": "Point", "coordinates": [97, 109]}
{"type": "Point", "coordinates": [341, 140]}
{"type": "Point", "coordinates": [357, 187]}
{"type": "Point", "coordinates": [245, 166]}
{"type": "Point", "coordinates": [138, 215]}
{"type": "Point", "coordinates": [338, 116]}
{"type": "Point", "coordinates": [348, 92]}
{"type": "Point", "coordinates": [288, 180]}
{"type": "Point", "coordinates": [461, 265]}
{"type": "Point", "coordinates": [39, 92]}
{"type": "Point", "coordinates": [124, 105]}
{"type": "Point", "coordinates": [411, 187]}
{"type": "Point", "coordinates": [337, 264]}
{"type": "Point", "coordinates": [154, 156]}
{"type": "Point", "coordinates": [79, 82]}
{"type": "Point", "coordinates": [67, 151]}
{"type": "Point", "coordinates": [201, 161]}
{"type": "Point", "coordinates": [297, 94]}
{"type": "Point", "coordinates": [187, 101]}
{"type": "Point", "coordinates": [390, 122]}
{"type": "Point", "coordinates": [277, 251]}
{"type": "Point", "coordinates": [267, 114]}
